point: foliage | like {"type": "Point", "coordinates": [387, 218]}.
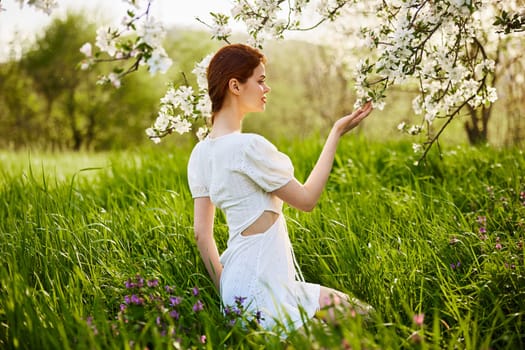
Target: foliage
{"type": "Point", "coordinates": [437, 249]}
{"type": "Point", "coordinates": [49, 103]}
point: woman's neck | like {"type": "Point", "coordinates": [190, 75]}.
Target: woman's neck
{"type": "Point", "coordinates": [226, 123]}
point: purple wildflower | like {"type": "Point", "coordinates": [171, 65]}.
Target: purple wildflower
{"type": "Point", "coordinates": [140, 281]}
{"type": "Point", "coordinates": [482, 230]}
{"type": "Point", "coordinates": [203, 339]}
{"type": "Point", "coordinates": [174, 314]}
{"type": "Point", "coordinates": [157, 321]}
{"type": "Point", "coordinates": [127, 299]}
{"type": "Point", "coordinates": [195, 291]}
{"type": "Point", "coordinates": [455, 266]}
{"type": "Point", "coordinates": [258, 316]}
{"type": "Point", "coordinates": [153, 283]}
{"type": "Point", "coordinates": [498, 246]}
{"type": "Point", "coordinates": [511, 266]}
{"type": "Point", "coordinates": [123, 307]}
{"type": "Point", "coordinates": [136, 300]}
{"type": "Point", "coordinates": [168, 289]}
{"type": "Point", "coordinates": [129, 284]}
{"type": "Point", "coordinates": [239, 300]}
{"type": "Point", "coordinates": [198, 306]}
{"type": "Point", "coordinates": [174, 301]}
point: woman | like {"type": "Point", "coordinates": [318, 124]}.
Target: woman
{"type": "Point", "coordinates": [248, 178]}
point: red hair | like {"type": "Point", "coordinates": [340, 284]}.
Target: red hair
{"type": "Point", "coordinates": [235, 61]}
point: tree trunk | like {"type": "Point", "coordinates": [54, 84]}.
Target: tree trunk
{"type": "Point", "coordinates": [477, 126]}
{"type": "Point", "coordinates": [71, 111]}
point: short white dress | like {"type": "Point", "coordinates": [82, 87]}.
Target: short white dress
{"type": "Point", "coordinates": [238, 172]}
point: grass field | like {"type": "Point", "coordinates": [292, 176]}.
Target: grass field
{"type": "Point", "coordinates": [97, 251]}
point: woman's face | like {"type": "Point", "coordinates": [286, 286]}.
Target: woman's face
{"type": "Point", "coordinates": [254, 90]}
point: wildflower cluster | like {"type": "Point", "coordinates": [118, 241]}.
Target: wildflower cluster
{"type": "Point", "coordinates": [182, 108]}
{"type": "Point", "coordinates": [148, 309]}
{"type": "Point", "coordinates": [238, 314]}
{"type": "Point", "coordinates": [504, 240]}
{"type": "Point", "coordinates": [138, 38]}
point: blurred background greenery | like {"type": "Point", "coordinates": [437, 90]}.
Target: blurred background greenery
{"type": "Point", "coordinates": [47, 103]}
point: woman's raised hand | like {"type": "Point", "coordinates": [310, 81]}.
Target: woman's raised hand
{"type": "Point", "coordinates": [350, 121]}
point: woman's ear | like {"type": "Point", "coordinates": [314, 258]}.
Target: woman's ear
{"type": "Point", "coordinates": [233, 86]}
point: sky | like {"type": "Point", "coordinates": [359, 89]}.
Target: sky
{"type": "Point", "coordinates": [28, 21]}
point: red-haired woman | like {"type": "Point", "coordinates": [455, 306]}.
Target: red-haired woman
{"type": "Point", "coordinates": [245, 176]}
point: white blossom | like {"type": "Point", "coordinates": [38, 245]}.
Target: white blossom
{"type": "Point", "coordinates": [114, 79]}
{"type": "Point", "coordinates": [151, 32]}
{"type": "Point", "coordinates": [414, 130]}
{"type": "Point", "coordinates": [204, 106]}
{"type": "Point", "coordinates": [200, 70]}
{"type": "Point", "coordinates": [85, 64]}
{"type": "Point", "coordinates": [105, 41]}
{"type": "Point", "coordinates": [86, 50]}
{"type": "Point", "coordinates": [44, 5]}
{"type": "Point", "coordinates": [417, 148]}
{"type": "Point", "coordinates": [159, 61]}
{"type": "Point", "coordinates": [202, 132]}
{"type": "Point", "coordinates": [151, 132]}
{"type": "Point", "coordinates": [162, 122]}
{"type": "Point", "coordinates": [182, 126]}
{"type": "Point", "coordinates": [492, 94]}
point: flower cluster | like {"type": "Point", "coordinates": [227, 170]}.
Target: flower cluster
{"type": "Point", "coordinates": [138, 38]}
{"type": "Point", "coordinates": [183, 107]}
{"type": "Point", "coordinates": [44, 5]}
{"type": "Point", "coordinates": [268, 19]}
{"type": "Point", "coordinates": [441, 46]}
{"type": "Point", "coordinates": [238, 314]}
{"type": "Point", "coordinates": [147, 308]}
{"type": "Point", "coordinates": [435, 45]}
{"type": "Point", "coordinates": [174, 312]}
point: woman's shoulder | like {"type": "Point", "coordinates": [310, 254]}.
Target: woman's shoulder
{"type": "Point", "coordinates": [256, 139]}
{"type": "Point", "coordinates": [238, 143]}
{"type": "Point", "coordinates": [239, 140]}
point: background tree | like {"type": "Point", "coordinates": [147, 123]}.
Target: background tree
{"type": "Point", "coordinates": [19, 107]}
{"type": "Point", "coordinates": [51, 64]}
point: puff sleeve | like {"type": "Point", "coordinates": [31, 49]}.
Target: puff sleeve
{"type": "Point", "coordinates": [264, 164]}
{"type": "Point", "coordinates": [196, 171]}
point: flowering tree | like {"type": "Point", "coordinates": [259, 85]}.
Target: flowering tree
{"type": "Point", "coordinates": [441, 46]}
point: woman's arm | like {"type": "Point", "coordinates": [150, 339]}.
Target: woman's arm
{"type": "Point", "coordinates": [204, 214]}
{"type": "Point", "coordinates": [305, 196]}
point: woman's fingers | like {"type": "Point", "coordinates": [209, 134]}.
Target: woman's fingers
{"type": "Point", "coordinates": [351, 121]}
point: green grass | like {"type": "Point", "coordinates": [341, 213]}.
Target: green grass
{"type": "Point", "coordinates": [75, 227]}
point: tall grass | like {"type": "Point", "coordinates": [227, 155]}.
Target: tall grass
{"type": "Point", "coordinates": [443, 240]}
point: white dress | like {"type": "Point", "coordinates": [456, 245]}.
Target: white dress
{"type": "Point", "coordinates": [238, 172]}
